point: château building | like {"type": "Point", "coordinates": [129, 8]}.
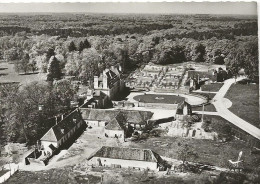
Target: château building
{"type": "Point", "coordinates": [110, 82]}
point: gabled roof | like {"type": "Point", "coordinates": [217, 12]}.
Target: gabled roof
{"type": "Point", "coordinates": [131, 116]}
{"type": "Point", "coordinates": [137, 117]}
{"type": "Point", "coordinates": [127, 154]}
{"type": "Point", "coordinates": [98, 114]}
{"type": "Point", "coordinates": [49, 136]}
{"type": "Point", "coordinates": [56, 132]}
{"type": "Point", "coordinates": [181, 106]}
{"type": "Point", "coordinates": [117, 123]}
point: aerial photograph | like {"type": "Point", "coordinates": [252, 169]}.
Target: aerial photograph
{"type": "Point", "coordinates": [129, 93]}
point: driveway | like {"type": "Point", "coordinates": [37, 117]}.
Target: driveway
{"type": "Point", "coordinates": [228, 115]}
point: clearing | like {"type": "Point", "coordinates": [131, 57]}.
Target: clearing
{"type": "Point", "coordinates": [8, 74]}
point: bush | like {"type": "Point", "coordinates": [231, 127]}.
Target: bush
{"type": "Point", "coordinates": [206, 126]}
{"type": "Point", "coordinates": [223, 129]}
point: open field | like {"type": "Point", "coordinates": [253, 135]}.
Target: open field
{"type": "Point", "coordinates": [209, 151]}
{"type": "Point", "coordinates": [245, 103]}
{"type": "Point", "coordinates": [156, 98]}
{"type": "Point", "coordinates": [8, 74]}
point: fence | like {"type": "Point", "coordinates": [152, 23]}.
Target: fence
{"type": "Point", "coordinates": [13, 169]}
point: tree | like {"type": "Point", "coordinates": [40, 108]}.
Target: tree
{"type": "Point", "coordinates": [199, 52]}
{"type": "Point", "coordinates": [186, 152]}
{"type": "Point", "coordinates": [54, 71]}
{"type": "Point", "coordinates": [72, 47]}
{"type": "Point", "coordinates": [23, 120]}
{"type": "Point", "coordinates": [50, 52]}
{"type": "Point", "coordinates": [81, 46]}
{"type": "Point", "coordinates": [86, 44]}
{"type": "Point", "coordinates": [23, 64]}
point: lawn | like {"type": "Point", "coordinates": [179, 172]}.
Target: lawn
{"type": "Point", "coordinates": [8, 74]}
{"type": "Point", "coordinates": [214, 87]}
{"type": "Point", "coordinates": [154, 98]}
{"type": "Point", "coordinates": [2, 172]}
{"type": "Point", "coordinates": [210, 95]}
{"type": "Point", "coordinates": [209, 107]}
{"type": "Point", "coordinates": [245, 102]}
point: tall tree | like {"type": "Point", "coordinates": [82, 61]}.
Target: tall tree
{"type": "Point", "coordinates": [86, 44]}
{"type": "Point", "coordinates": [54, 71]}
{"type": "Point", "coordinates": [72, 47]}
{"type": "Point", "coordinates": [81, 46]}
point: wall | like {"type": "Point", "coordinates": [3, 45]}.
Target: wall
{"type": "Point", "coordinates": [95, 123]}
{"type": "Point", "coordinates": [46, 144]}
{"type": "Point", "coordinates": [124, 163]}
{"type": "Point", "coordinates": [112, 133]}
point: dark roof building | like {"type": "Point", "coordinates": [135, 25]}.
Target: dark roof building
{"type": "Point", "coordinates": [127, 154]}
{"type": "Point", "coordinates": [131, 116]}
{"type": "Point", "coordinates": [56, 132]}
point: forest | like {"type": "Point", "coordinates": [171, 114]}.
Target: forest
{"type": "Point", "coordinates": [82, 45]}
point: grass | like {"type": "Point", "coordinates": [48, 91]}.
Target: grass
{"type": "Point", "coordinates": [151, 98]}
{"type": "Point", "coordinates": [214, 87]}
{"type": "Point", "coordinates": [209, 151]}
{"type": "Point", "coordinates": [209, 107]}
{"type": "Point", "coordinates": [210, 95]}
{"type": "Point", "coordinates": [8, 74]}
{"type": "Point", "coordinates": [2, 172]}
{"type": "Point", "coordinates": [245, 102]}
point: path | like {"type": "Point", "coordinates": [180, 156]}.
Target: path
{"type": "Point", "coordinates": [222, 109]}
{"type": "Point", "coordinates": [207, 113]}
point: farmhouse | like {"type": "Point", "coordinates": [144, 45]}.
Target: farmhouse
{"type": "Point", "coordinates": [62, 132]}
{"type": "Point", "coordinates": [134, 158]}
{"type": "Point", "coordinates": [110, 82]}
{"type": "Point", "coordinates": [120, 120]}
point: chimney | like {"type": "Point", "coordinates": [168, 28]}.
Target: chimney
{"type": "Point", "coordinates": [62, 117]}
{"type": "Point", "coordinates": [105, 82]}
{"type": "Point", "coordinates": [56, 120]}
{"type": "Point", "coordinates": [62, 131]}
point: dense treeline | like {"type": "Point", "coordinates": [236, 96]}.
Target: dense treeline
{"type": "Point", "coordinates": [80, 25]}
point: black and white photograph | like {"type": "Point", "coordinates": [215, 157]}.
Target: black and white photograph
{"type": "Point", "coordinates": [129, 92]}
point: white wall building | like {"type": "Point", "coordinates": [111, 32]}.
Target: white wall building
{"type": "Point", "coordinates": [121, 157]}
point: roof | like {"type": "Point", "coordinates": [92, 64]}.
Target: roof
{"type": "Point", "coordinates": [137, 117]}
{"type": "Point", "coordinates": [131, 116]}
{"type": "Point", "coordinates": [117, 123]}
{"type": "Point", "coordinates": [98, 114]}
{"type": "Point", "coordinates": [56, 132]}
{"type": "Point", "coordinates": [181, 106]}
{"type": "Point", "coordinates": [49, 136]}
{"type": "Point", "coordinates": [127, 154]}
